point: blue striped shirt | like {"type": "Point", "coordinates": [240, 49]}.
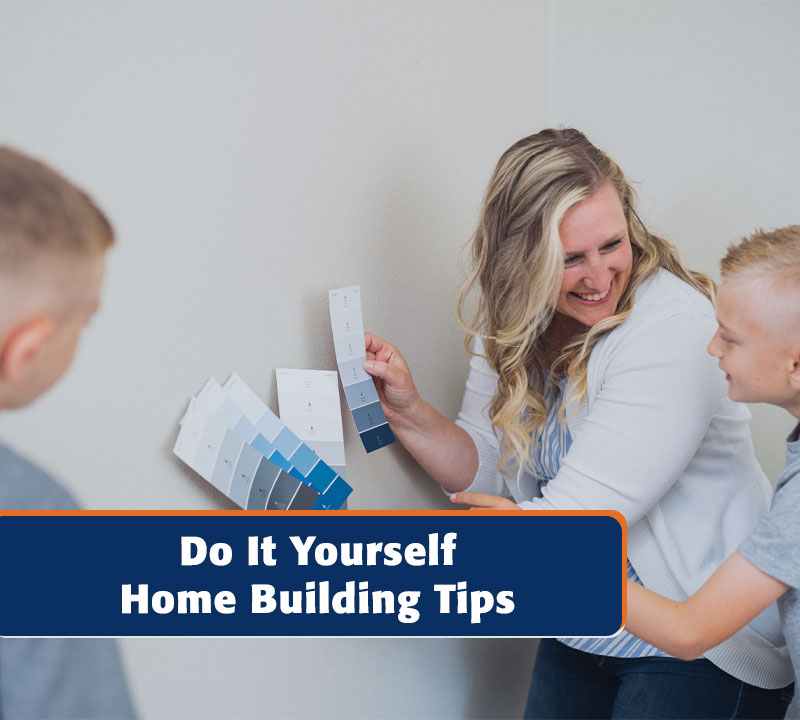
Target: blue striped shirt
{"type": "Point", "coordinates": [554, 442]}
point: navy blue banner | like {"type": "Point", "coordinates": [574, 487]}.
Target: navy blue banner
{"type": "Point", "coordinates": [316, 574]}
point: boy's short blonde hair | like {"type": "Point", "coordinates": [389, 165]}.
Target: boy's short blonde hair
{"type": "Point", "coordinates": [774, 254]}
{"type": "Point", "coordinates": [43, 212]}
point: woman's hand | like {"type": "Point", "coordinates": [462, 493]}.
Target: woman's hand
{"type": "Point", "coordinates": [396, 389]}
{"type": "Point", "coordinates": [445, 451]}
{"type": "Point", "coordinates": [481, 501]}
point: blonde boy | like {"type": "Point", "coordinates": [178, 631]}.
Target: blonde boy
{"type": "Point", "coordinates": [53, 241]}
{"type": "Point", "coordinates": [758, 347]}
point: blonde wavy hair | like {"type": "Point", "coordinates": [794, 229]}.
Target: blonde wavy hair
{"type": "Point", "coordinates": [517, 265]}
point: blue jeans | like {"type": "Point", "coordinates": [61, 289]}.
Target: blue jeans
{"type": "Point", "coordinates": [569, 683]}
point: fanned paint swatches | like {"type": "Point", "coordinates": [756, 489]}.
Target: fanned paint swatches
{"type": "Point", "coordinates": [234, 441]}
{"type": "Point", "coordinates": [359, 389]}
{"type": "Point", "coordinates": [309, 405]}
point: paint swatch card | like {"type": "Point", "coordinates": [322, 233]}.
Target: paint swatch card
{"type": "Point", "coordinates": [359, 389]}
{"type": "Point", "coordinates": [309, 405]}
{"type": "Point", "coordinates": [215, 442]}
{"type": "Point", "coordinates": [234, 441]}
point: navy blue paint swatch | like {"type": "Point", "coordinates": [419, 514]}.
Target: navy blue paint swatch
{"type": "Point", "coordinates": [377, 438]}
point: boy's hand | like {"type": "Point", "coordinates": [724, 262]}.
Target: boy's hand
{"type": "Point", "coordinates": [482, 501]}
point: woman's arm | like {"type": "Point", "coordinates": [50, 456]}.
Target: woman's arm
{"type": "Point", "coordinates": [731, 598]}
{"type": "Point", "coordinates": [444, 450]}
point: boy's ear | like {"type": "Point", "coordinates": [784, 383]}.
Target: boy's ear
{"type": "Point", "coordinates": [794, 373]}
{"type": "Point", "coordinates": [22, 345]}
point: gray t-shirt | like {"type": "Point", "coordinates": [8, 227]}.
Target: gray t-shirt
{"type": "Point", "coordinates": [54, 677]}
{"type": "Point", "coordinates": [774, 547]}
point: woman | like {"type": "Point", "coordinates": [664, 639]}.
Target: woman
{"type": "Point", "coordinates": [590, 388]}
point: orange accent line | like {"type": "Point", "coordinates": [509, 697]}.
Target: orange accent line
{"type": "Point", "coordinates": [321, 513]}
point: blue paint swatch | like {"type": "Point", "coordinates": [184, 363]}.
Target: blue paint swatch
{"type": "Point", "coordinates": [358, 394]}
{"type": "Point", "coordinates": [219, 441]}
{"type": "Point", "coordinates": [304, 459]}
{"type": "Point", "coordinates": [321, 477]}
{"type": "Point", "coordinates": [286, 443]}
{"type": "Point", "coordinates": [377, 438]}
{"type": "Point", "coordinates": [359, 388]}
{"type": "Point", "coordinates": [267, 449]}
{"type": "Point", "coordinates": [368, 416]}
{"type": "Point", "coordinates": [334, 496]}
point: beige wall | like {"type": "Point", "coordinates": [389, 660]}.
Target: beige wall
{"type": "Point", "coordinates": [254, 155]}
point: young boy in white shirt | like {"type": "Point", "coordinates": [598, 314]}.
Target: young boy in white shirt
{"type": "Point", "coordinates": [758, 347]}
{"type": "Point", "coordinates": [53, 243]}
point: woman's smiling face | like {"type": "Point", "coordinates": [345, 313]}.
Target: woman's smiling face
{"type": "Point", "coordinates": [597, 257]}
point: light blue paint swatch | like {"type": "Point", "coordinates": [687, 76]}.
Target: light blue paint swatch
{"type": "Point", "coordinates": [229, 452]}
{"type": "Point", "coordinates": [243, 475]}
{"type": "Point", "coordinates": [358, 394]}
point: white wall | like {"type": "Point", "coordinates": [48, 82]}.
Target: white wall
{"type": "Point", "coordinates": [254, 155]}
{"type": "Point", "coordinates": [699, 102]}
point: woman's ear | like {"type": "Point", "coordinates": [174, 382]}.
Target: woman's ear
{"type": "Point", "coordinates": [21, 346]}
